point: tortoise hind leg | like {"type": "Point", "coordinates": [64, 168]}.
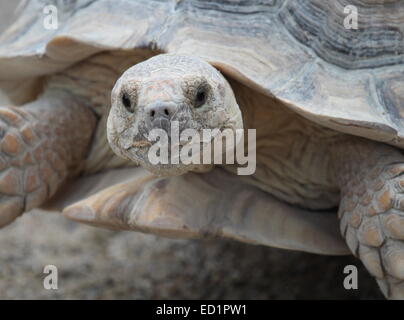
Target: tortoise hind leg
{"type": "Point", "coordinates": [371, 176]}
{"type": "Point", "coordinates": [41, 143]}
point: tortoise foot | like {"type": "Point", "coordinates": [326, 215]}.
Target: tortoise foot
{"type": "Point", "coordinates": [40, 146]}
{"type": "Point", "coordinates": [372, 222]}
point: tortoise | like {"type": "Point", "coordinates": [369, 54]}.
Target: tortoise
{"type": "Point", "coordinates": [326, 103]}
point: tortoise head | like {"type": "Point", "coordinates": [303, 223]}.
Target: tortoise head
{"type": "Point", "coordinates": [169, 108]}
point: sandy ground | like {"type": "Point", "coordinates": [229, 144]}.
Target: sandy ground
{"type": "Point", "coordinates": [100, 264]}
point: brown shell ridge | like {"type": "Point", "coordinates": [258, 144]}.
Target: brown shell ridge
{"type": "Point", "coordinates": [377, 42]}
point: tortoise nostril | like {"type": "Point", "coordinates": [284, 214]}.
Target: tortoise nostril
{"type": "Point", "coordinates": [161, 110]}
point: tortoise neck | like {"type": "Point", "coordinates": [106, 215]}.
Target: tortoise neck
{"type": "Point", "coordinates": [353, 158]}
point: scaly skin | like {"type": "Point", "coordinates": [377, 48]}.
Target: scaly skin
{"type": "Point", "coordinates": [370, 176]}
{"type": "Point", "coordinates": [169, 82]}
{"type": "Point", "coordinates": [41, 144]}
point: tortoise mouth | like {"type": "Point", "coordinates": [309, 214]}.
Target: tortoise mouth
{"type": "Point", "coordinates": [178, 156]}
{"type": "Point", "coordinates": [175, 154]}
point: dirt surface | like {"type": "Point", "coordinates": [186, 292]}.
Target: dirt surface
{"type": "Point", "coordinates": [99, 264]}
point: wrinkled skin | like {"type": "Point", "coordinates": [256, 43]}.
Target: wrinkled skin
{"type": "Point", "coordinates": [163, 89]}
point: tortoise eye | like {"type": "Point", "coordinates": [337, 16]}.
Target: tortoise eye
{"type": "Point", "coordinates": [200, 97]}
{"type": "Point", "coordinates": [126, 102]}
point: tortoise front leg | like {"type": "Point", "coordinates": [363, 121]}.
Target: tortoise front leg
{"type": "Point", "coordinates": [371, 176]}
{"type": "Point", "coordinates": [41, 143]}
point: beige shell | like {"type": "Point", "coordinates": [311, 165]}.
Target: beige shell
{"type": "Point", "coordinates": [298, 51]}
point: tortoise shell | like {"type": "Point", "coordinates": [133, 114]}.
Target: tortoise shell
{"type": "Point", "coordinates": [350, 80]}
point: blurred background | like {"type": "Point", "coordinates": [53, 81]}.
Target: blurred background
{"type": "Point", "coordinates": [100, 264]}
